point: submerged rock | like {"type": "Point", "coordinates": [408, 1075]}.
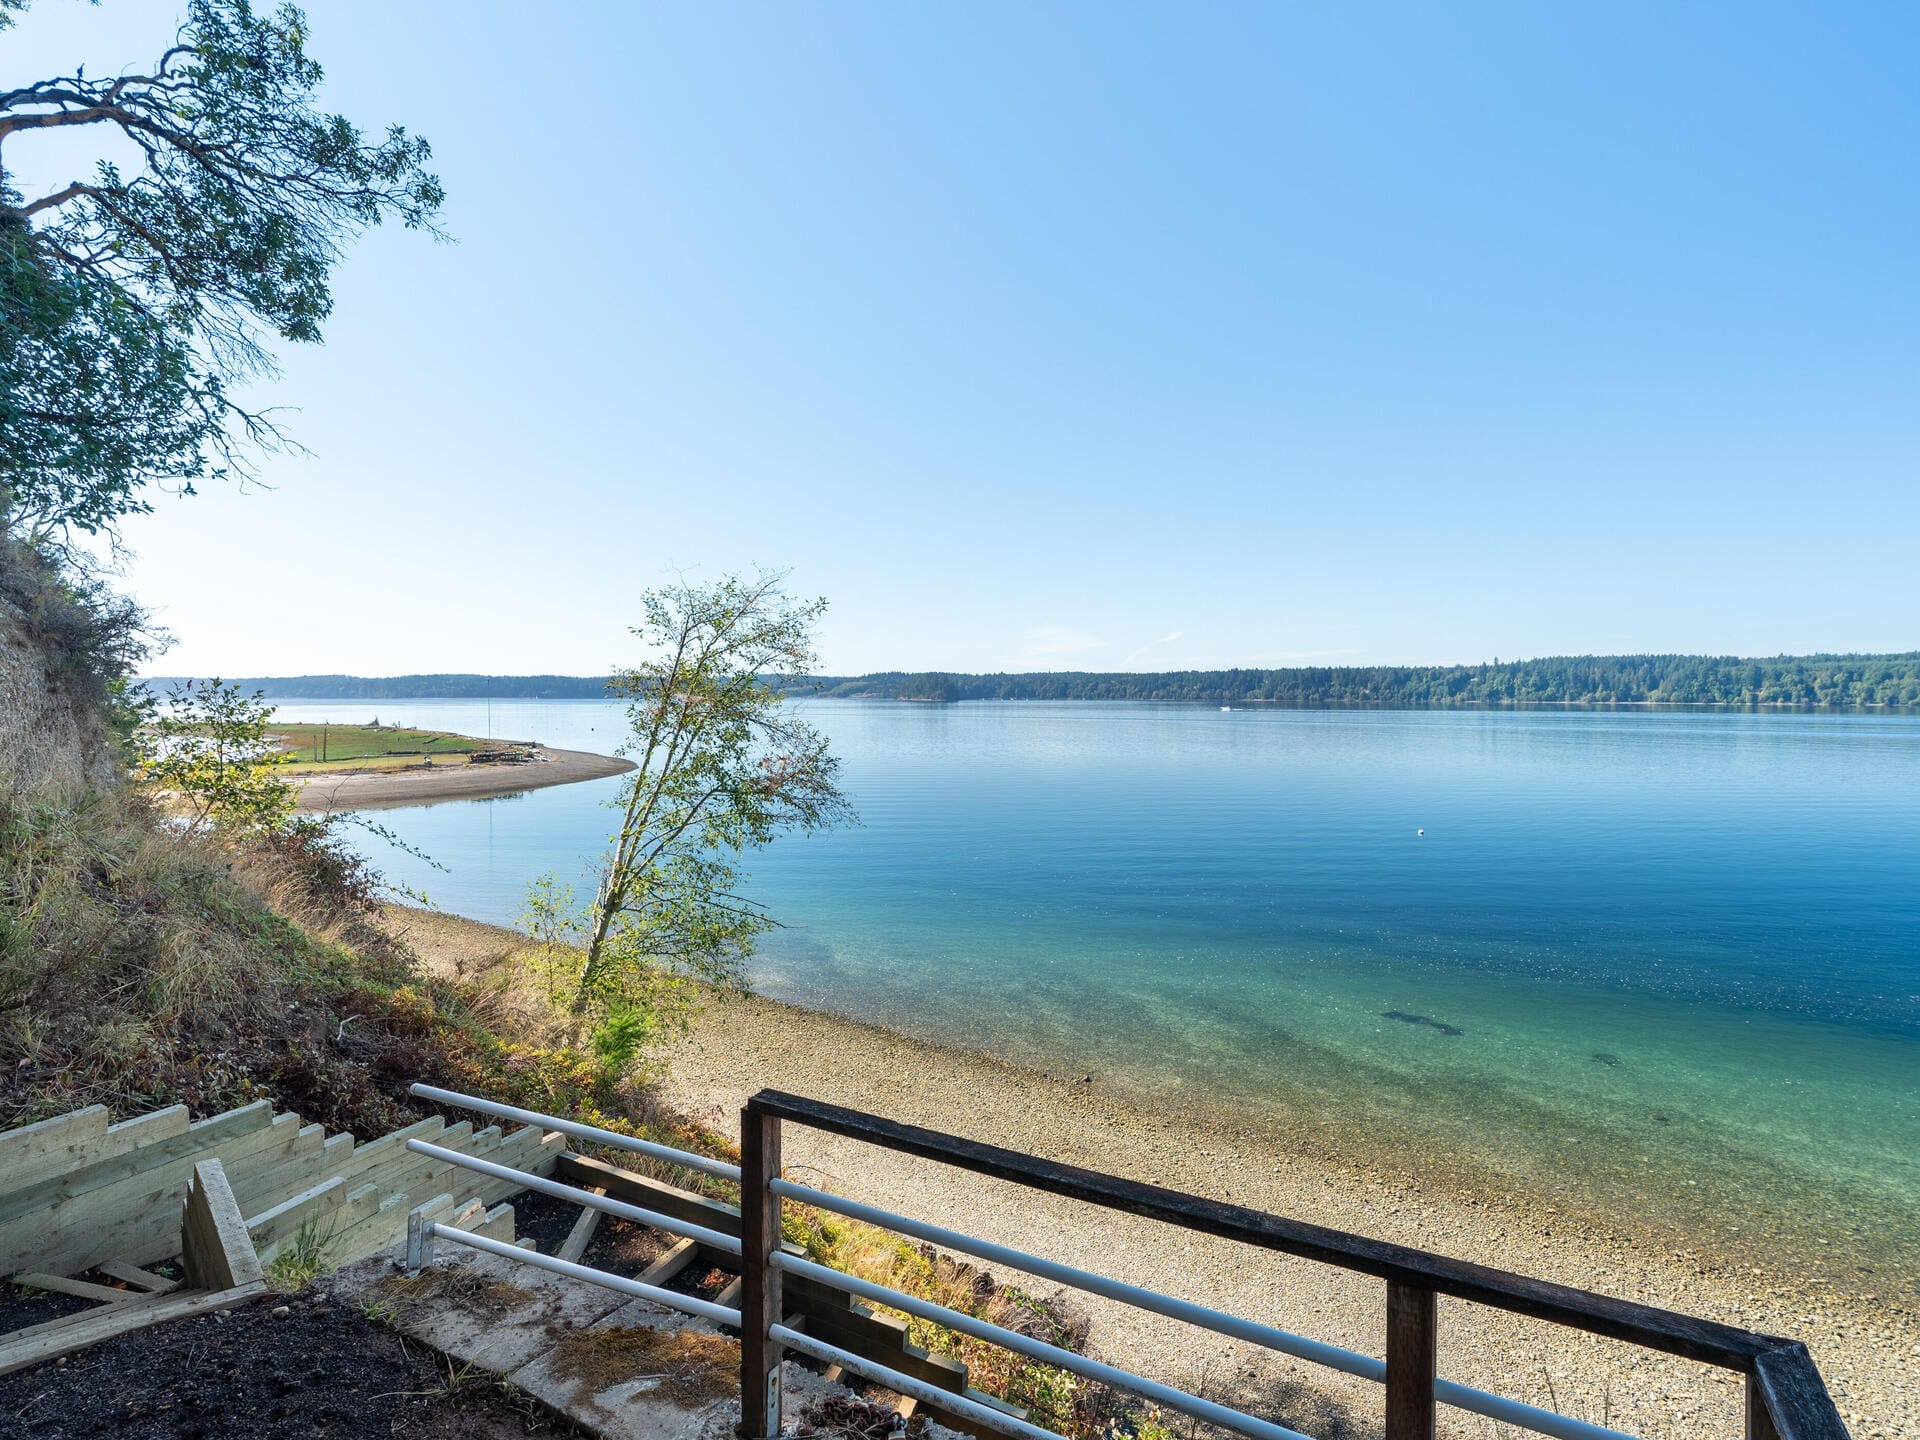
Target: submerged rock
{"type": "Point", "coordinates": [1426, 1020]}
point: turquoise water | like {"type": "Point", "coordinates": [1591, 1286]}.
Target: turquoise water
{"type": "Point", "coordinates": [1665, 966]}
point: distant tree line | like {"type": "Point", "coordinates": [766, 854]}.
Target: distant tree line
{"type": "Point", "coordinates": [1809, 680]}
{"type": "Point", "coordinates": [1822, 680]}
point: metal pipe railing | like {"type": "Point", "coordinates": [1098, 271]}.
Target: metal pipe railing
{"type": "Point", "coordinates": [1201, 1409]}
{"type": "Point", "coordinates": [1301, 1347]}
{"type": "Point", "coordinates": [1350, 1362]}
{"type": "Point", "coordinates": [540, 1184]}
{"type": "Point", "coordinates": [691, 1304]}
{"type": "Point", "coordinates": [964, 1406]}
{"type": "Point", "coordinates": [1786, 1398]}
{"type": "Point", "coordinates": [705, 1165]}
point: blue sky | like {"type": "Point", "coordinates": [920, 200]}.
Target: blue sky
{"type": "Point", "coordinates": [1091, 336]}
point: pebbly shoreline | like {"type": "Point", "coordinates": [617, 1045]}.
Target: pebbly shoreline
{"type": "Point", "coordinates": [1868, 1346]}
{"type": "Point", "coordinates": [1869, 1350]}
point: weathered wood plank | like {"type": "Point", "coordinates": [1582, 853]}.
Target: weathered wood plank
{"type": "Point", "coordinates": [34, 1154]}
{"type": "Point", "coordinates": [77, 1332]}
{"type": "Point", "coordinates": [66, 1285]}
{"type": "Point", "coordinates": [318, 1206]}
{"type": "Point", "coordinates": [581, 1236]}
{"type": "Point", "coordinates": [29, 1153]}
{"type": "Point", "coordinates": [675, 1259]}
{"type": "Point", "coordinates": [498, 1225]}
{"type": "Point", "coordinates": [137, 1218]}
{"type": "Point", "coordinates": [134, 1275]}
{"type": "Point", "coordinates": [1412, 1361]}
{"type": "Point", "coordinates": [213, 1235]}
{"type": "Point", "coordinates": [1786, 1398]}
{"type": "Point", "coordinates": [194, 1140]}
{"type": "Point", "coordinates": [760, 1309]}
{"type": "Point", "coordinates": [668, 1200]}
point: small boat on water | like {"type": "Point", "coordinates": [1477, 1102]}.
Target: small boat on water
{"type": "Point", "coordinates": [1226, 708]}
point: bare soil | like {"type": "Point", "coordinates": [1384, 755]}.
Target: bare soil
{"type": "Point", "coordinates": [323, 1371]}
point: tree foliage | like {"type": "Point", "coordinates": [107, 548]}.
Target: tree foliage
{"type": "Point", "coordinates": [209, 748]}
{"type": "Point", "coordinates": [1801, 680]}
{"type": "Point", "coordinates": [723, 767]}
{"type": "Point", "coordinates": [133, 298]}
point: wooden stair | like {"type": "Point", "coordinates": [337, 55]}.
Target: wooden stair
{"type": "Point", "coordinates": [78, 1193]}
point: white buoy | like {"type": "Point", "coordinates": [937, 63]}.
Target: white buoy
{"type": "Point", "coordinates": [1420, 832]}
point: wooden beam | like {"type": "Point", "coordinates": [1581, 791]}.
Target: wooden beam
{"type": "Point", "coordinates": [669, 1200]}
{"type": "Point", "coordinates": [188, 1142]}
{"type": "Point", "coordinates": [213, 1236]}
{"type": "Point", "coordinates": [63, 1285]}
{"type": "Point", "coordinates": [676, 1258]}
{"type": "Point", "coordinates": [273, 1230]}
{"type": "Point", "coordinates": [1656, 1329]}
{"type": "Point", "coordinates": [76, 1332]}
{"type": "Point", "coordinates": [134, 1275]}
{"type": "Point", "coordinates": [136, 1217]}
{"type": "Point", "coordinates": [1412, 1361]}
{"type": "Point", "coordinates": [578, 1238]}
{"type": "Point", "coordinates": [760, 1309]}
{"type": "Point", "coordinates": [33, 1154]}
{"type": "Point", "coordinates": [1787, 1399]}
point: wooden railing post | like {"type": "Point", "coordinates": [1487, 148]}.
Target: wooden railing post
{"type": "Point", "coordinates": [1412, 1359]}
{"type": "Point", "coordinates": [1760, 1424]}
{"type": "Point", "coordinates": [760, 1284]}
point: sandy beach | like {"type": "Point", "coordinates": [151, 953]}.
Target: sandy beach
{"type": "Point", "coordinates": [1868, 1348]}
{"type": "Point", "coordinates": [423, 785]}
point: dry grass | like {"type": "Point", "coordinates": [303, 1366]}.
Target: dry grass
{"type": "Point", "coordinates": [692, 1367]}
{"type": "Point", "coordinates": [456, 1287]}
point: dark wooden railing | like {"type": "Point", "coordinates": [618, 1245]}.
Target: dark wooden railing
{"type": "Point", "coordinates": [1786, 1399]}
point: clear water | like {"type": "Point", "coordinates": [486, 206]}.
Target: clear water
{"type": "Point", "coordinates": [1665, 966]}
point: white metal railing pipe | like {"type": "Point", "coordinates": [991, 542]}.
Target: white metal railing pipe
{"type": "Point", "coordinates": [614, 1138]}
{"type": "Point", "coordinates": [1301, 1347]}
{"type": "Point", "coordinates": [961, 1405]}
{"type": "Point", "coordinates": [692, 1304]}
{"type": "Point", "coordinates": [1518, 1412]}
{"type": "Point", "coordinates": [1210, 1411]}
{"type": "Point", "coordinates": [559, 1191]}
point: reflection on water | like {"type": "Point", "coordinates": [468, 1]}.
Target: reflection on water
{"type": "Point", "coordinates": [1663, 962]}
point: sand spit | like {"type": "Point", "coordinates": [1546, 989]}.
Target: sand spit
{"type": "Point", "coordinates": [424, 785]}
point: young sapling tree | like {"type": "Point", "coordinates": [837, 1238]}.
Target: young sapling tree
{"type": "Point", "coordinates": [723, 767]}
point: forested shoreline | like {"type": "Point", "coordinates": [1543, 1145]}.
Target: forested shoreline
{"type": "Point", "coordinates": [1824, 681]}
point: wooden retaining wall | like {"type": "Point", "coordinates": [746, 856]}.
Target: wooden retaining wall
{"type": "Point", "coordinates": [79, 1194]}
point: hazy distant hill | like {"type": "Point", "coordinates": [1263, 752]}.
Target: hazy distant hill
{"type": "Point", "coordinates": [1822, 680]}
{"type": "Point", "coordinates": [413, 687]}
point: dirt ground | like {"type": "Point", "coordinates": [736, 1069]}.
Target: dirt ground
{"type": "Point", "coordinates": [322, 1371]}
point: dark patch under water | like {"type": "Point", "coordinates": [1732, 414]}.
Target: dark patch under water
{"type": "Point", "coordinates": [1426, 1020]}
{"type": "Point", "coordinates": [1602, 1057]}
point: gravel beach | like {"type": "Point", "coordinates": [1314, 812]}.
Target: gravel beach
{"type": "Point", "coordinates": [1868, 1350]}
{"type": "Point", "coordinates": [1868, 1346]}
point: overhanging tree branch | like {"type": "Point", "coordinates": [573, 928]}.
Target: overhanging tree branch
{"type": "Point", "coordinates": [143, 295]}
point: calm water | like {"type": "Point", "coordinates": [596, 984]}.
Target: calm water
{"type": "Point", "coordinates": [1664, 965]}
